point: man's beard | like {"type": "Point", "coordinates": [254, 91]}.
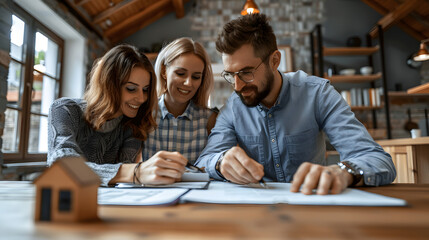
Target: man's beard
{"type": "Point", "coordinates": [259, 96]}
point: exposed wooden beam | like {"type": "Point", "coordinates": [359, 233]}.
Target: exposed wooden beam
{"type": "Point", "coordinates": [146, 13]}
{"type": "Point", "coordinates": [423, 9]}
{"type": "Point", "coordinates": [110, 11]}
{"type": "Point", "coordinates": [376, 6]}
{"type": "Point", "coordinates": [395, 16]}
{"type": "Point", "coordinates": [84, 17]}
{"type": "Point", "coordinates": [414, 28]}
{"type": "Point", "coordinates": [179, 8]}
{"type": "Point", "coordinates": [81, 2]}
{"type": "Point", "coordinates": [400, 12]}
{"type": "Point", "coordinates": [421, 20]}
{"type": "Point", "coordinates": [405, 26]}
{"type": "Point", "coordinates": [128, 31]}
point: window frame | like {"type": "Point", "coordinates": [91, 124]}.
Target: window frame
{"type": "Point", "coordinates": [32, 25]}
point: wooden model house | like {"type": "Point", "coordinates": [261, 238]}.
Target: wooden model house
{"type": "Point", "coordinates": [67, 192]}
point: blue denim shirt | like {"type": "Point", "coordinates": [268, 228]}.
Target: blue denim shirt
{"type": "Point", "coordinates": [291, 132]}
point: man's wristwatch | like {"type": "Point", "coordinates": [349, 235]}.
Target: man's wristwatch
{"type": "Point", "coordinates": [219, 161]}
{"type": "Point", "coordinates": [356, 173]}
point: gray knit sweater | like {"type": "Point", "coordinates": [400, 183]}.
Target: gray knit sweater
{"type": "Point", "coordinates": [105, 149]}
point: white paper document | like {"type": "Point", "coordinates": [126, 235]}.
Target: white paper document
{"type": "Point", "coordinates": [187, 185]}
{"type": "Point", "coordinates": [190, 180]}
{"type": "Point", "coordinates": [230, 193]}
{"type": "Point", "coordinates": [139, 196]}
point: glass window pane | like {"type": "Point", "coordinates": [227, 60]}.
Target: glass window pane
{"type": "Point", "coordinates": [17, 38]}
{"type": "Point", "coordinates": [11, 131]}
{"type": "Point", "coordinates": [44, 92]}
{"type": "Point", "coordinates": [46, 55]}
{"type": "Point", "coordinates": [38, 138]}
{"type": "Point", "coordinates": [15, 84]}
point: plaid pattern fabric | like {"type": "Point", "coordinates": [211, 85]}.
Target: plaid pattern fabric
{"type": "Point", "coordinates": [186, 134]}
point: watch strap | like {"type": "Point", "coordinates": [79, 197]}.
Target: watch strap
{"type": "Point", "coordinates": [356, 173]}
{"type": "Point", "coordinates": [219, 161]}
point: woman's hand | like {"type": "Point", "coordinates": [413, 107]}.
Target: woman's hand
{"type": "Point", "coordinates": [162, 168]}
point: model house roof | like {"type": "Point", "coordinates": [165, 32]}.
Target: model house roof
{"type": "Point", "coordinates": [76, 169]}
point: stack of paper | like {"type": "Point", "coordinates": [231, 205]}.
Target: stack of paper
{"type": "Point", "coordinates": [229, 193]}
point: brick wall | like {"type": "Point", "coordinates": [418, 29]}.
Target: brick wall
{"type": "Point", "coordinates": [291, 20]}
{"type": "Point", "coordinates": [5, 24]}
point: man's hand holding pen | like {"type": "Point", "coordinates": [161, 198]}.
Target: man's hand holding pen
{"type": "Point", "coordinates": [239, 168]}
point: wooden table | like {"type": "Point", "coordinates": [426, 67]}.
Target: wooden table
{"type": "Point", "coordinates": [214, 221]}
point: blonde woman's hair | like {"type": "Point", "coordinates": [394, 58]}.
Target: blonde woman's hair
{"type": "Point", "coordinates": [103, 94]}
{"type": "Point", "coordinates": [174, 50]}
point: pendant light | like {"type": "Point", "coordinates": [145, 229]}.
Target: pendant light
{"type": "Point", "coordinates": [422, 54]}
{"type": "Point", "coordinates": [249, 7]}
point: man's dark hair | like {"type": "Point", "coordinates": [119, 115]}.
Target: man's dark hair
{"type": "Point", "coordinates": [251, 29]}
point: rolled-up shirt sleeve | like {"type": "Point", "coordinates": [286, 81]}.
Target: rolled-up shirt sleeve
{"type": "Point", "coordinates": [351, 139]}
{"type": "Point", "coordinates": [221, 139]}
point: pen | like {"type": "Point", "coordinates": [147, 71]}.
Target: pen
{"type": "Point", "coordinates": [262, 183]}
{"type": "Point", "coordinates": [194, 169]}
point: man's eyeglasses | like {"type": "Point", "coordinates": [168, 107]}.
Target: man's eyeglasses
{"type": "Point", "coordinates": [246, 76]}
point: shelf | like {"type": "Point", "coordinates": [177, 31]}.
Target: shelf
{"type": "Point", "coordinates": [364, 108]}
{"type": "Point", "coordinates": [400, 98]}
{"type": "Point", "coordinates": [424, 88]}
{"type": "Point", "coordinates": [405, 141]}
{"type": "Point", "coordinates": [371, 52]}
{"type": "Point", "coordinates": [353, 78]}
{"type": "Point", "coordinates": [347, 51]}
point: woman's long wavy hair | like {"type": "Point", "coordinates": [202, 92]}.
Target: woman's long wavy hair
{"type": "Point", "coordinates": [174, 50]}
{"type": "Point", "coordinates": [103, 94]}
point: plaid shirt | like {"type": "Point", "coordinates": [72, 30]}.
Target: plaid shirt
{"type": "Point", "coordinates": [186, 134]}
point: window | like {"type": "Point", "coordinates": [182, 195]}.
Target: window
{"type": "Point", "coordinates": [33, 84]}
{"type": "Point", "coordinates": [64, 201]}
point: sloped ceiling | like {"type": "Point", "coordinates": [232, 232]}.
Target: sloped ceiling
{"type": "Point", "coordinates": [412, 16]}
{"type": "Point", "coordinates": [115, 20]}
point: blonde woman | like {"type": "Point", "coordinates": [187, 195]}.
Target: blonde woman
{"type": "Point", "coordinates": [108, 126]}
{"type": "Point", "coordinates": [185, 80]}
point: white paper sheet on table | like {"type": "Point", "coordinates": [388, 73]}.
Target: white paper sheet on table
{"type": "Point", "coordinates": [229, 193]}
{"type": "Point", "coordinates": [139, 196]}
{"type": "Point", "coordinates": [187, 185]}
